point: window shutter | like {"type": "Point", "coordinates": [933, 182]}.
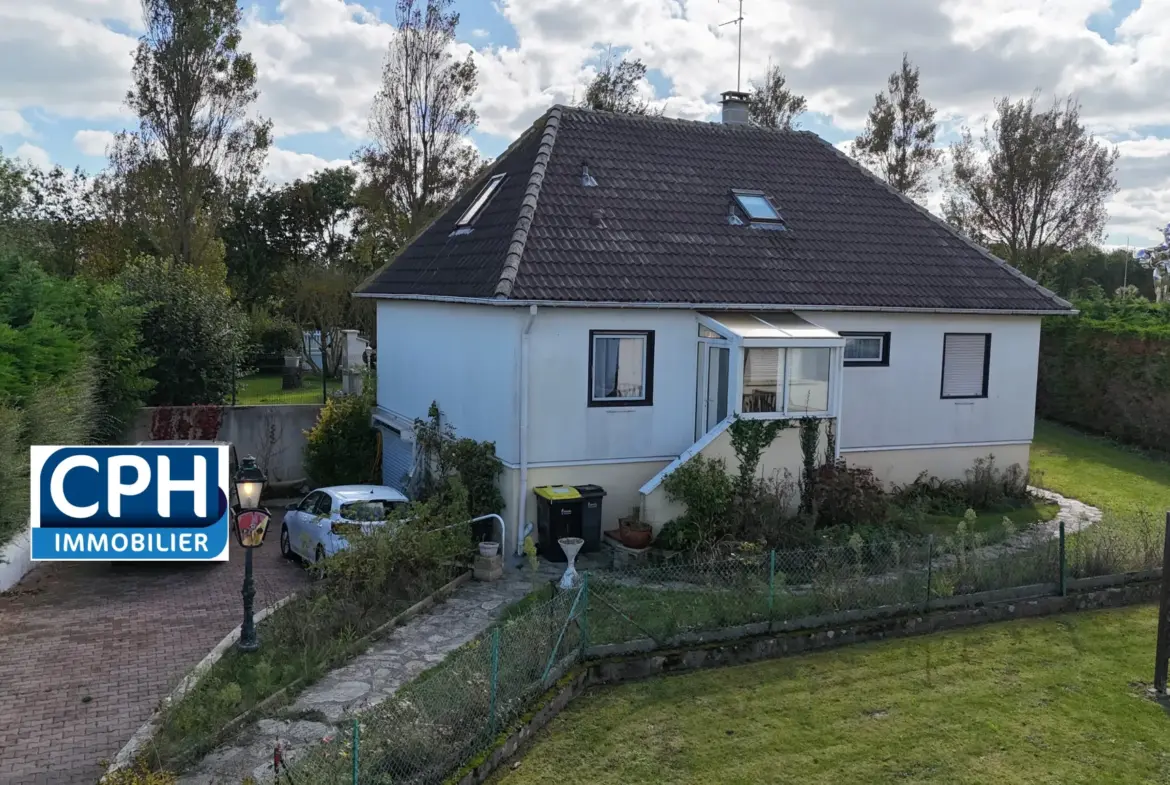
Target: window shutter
{"type": "Point", "coordinates": [964, 361]}
{"type": "Point", "coordinates": [763, 365]}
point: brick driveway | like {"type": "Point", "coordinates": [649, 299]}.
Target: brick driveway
{"type": "Point", "coordinates": [88, 650]}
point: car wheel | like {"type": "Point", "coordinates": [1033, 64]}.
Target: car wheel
{"type": "Point", "coordinates": [285, 545]}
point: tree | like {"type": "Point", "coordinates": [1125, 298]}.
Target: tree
{"type": "Point", "coordinates": [422, 115]}
{"type": "Point", "coordinates": [898, 141]}
{"type": "Point", "coordinates": [617, 88]}
{"type": "Point", "coordinates": [195, 143]}
{"type": "Point", "coordinates": [1037, 182]}
{"type": "Point", "coordinates": [771, 104]}
{"type": "Point", "coordinates": [196, 336]}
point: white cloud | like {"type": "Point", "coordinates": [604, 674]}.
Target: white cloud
{"type": "Point", "coordinates": [93, 143]}
{"type": "Point", "coordinates": [54, 58]}
{"type": "Point", "coordinates": [12, 123]}
{"type": "Point", "coordinates": [284, 166]}
{"type": "Point", "coordinates": [479, 32]}
{"type": "Point", "coordinates": [37, 156]}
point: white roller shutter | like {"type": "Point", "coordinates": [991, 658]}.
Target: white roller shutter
{"type": "Point", "coordinates": [964, 361]}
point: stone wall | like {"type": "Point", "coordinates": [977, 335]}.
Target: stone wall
{"type": "Point", "coordinates": [275, 434]}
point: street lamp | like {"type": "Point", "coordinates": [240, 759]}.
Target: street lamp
{"type": "Point", "coordinates": [251, 526]}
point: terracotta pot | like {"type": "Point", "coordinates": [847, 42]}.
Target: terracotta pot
{"type": "Point", "coordinates": [635, 534]}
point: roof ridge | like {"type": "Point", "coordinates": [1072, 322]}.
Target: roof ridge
{"type": "Point", "coordinates": [528, 206]}
{"type": "Point", "coordinates": [939, 221]}
{"type": "Point", "coordinates": [664, 120]}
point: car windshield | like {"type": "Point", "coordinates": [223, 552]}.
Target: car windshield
{"type": "Point", "coordinates": [369, 510]}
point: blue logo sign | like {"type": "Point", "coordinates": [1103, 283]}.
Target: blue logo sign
{"type": "Point", "coordinates": [145, 503]}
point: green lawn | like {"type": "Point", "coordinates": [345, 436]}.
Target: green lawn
{"type": "Point", "coordinates": [989, 524]}
{"type": "Point", "coordinates": [1056, 700]}
{"type": "Point", "coordinates": [1098, 471]}
{"type": "Point", "coordinates": [265, 388]}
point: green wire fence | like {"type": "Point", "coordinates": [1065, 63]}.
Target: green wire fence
{"type": "Point", "coordinates": [452, 713]}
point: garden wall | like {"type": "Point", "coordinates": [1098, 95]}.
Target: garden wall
{"type": "Point", "coordinates": [1108, 371]}
{"type": "Point", "coordinates": [275, 434]}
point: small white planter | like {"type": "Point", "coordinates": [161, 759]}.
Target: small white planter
{"type": "Point", "coordinates": [489, 548]}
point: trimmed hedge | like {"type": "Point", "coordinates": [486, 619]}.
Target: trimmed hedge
{"type": "Point", "coordinates": [1108, 371]}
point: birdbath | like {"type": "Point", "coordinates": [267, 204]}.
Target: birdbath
{"type": "Point", "coordinates": [570, 545]}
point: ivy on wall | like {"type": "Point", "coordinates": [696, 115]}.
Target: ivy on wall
{"type": "Point", "coordinates": [1108, 371]}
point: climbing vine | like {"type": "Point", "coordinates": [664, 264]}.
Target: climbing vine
{"type": "Point", "coordinates": [749, 439]}
{"type": "Point", "coordinates": [810, 435]}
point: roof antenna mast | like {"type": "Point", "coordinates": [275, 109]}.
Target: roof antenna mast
{"type": "Point", "coordinates": [739, 52]}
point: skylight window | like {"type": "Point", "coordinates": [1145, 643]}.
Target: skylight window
{"type": "Point", "coordinates": [757, 207]}
{"type": "Point", "coordinates": [480, 202]}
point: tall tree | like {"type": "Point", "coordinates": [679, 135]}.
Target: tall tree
{"type": "Point", "coordinates": [617, 88]}
{"type": "Point", "coordinates": [771, 103]}
{"type": "Point", "coordinates": [898, 141]}
{"type": "Point", "coordinates": [1036, 182]}
{"type": "Point", "coordinates": [192, 92]}
{"type": "Point", "coordinates": [422, 116]}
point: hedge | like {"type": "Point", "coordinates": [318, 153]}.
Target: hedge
{"type": "Point", "coordinates": [1108, 371]}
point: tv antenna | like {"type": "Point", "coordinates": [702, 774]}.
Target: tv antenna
{"type": "Point", "coordinates": [739, 53]}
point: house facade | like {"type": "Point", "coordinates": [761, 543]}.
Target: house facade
{"type": "Point", "coordinates": [614, 290]}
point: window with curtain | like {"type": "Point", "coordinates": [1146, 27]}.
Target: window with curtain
{"type": "Point", "coordinates": [804, 372]}
{"type": "Point", "coordinates": [621, 368]}
{"type": "Point", "coordinates": [763, 377]}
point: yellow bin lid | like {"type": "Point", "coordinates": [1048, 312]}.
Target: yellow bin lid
{"type": "Point", "coordinates": [556, 493]}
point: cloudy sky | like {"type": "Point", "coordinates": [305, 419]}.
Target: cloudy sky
{"type": "Point", "coordinates": [65, 64]}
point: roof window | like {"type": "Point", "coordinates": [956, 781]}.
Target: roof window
{"type": "Point", "coordinates": [480, 202]}
{"type": "Point", "coordinates": [757, 207]}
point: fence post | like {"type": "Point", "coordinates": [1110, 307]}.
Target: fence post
{"type": "Point", "coordinates": [771, 583]}
{"type": "Point", "coordinates": [929, 569]}
{"type": "Point", "coordinates": [324, 374]}
{"type": "Point", "coordinates": [584, 614]}
{"type": "Point", "coordinates": [495, 688]}
{"type": "Point", "coordinates": [356, 734]}
{"type": "Point", "coordinates": [1063, 565]}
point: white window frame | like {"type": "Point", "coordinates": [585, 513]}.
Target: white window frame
{"type": "Point", "coordinates": [834, 381]}
{"type": "Point", "coordinates": [647, 339]}
{"type": "Point", "coordinates": [480, 202]}
{"type": "Point", "coordinates": [883, 358]}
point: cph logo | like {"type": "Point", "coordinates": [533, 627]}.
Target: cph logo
{"type": "Point", "coordinates": [148, 503]}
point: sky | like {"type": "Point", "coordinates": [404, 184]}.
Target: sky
{"type": "Point", "coordinates": [65, 69]}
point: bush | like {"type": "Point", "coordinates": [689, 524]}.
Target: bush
{"type": "Point", "coordinates": [849, 496]}
{"type": "Point", "coordinates": [476, 465]}
{"type": "Point", "coordinates": [707, 490]}
{"type": "Point", "coordinates": [1108, 370]}
{"type": "Point", "coordinates": [197, 337]}
{"type": "Point", "coordinates": [342, 447]}
{"type": "Point", "coordinates": [985, 488]}
{"type": "Point", "coordinates": [270, 337]}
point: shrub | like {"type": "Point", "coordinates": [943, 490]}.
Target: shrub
{"type": "Point", "coordinates": [705, 487]}
{"type": "Point", "coordinates": [342, 447]}
{"type": "Point", "coordinates": [476, 464]}
{"type": "Point", "coordinates": [139, 773]}
{"type": "Point", "coordinates": [849, 496]}
{"type": "Point", "coordinates": [270, 336]}
{"type": "Point", "coordinates": [196, 336]}
{"type": "Point", "coordinates": [987, 487]}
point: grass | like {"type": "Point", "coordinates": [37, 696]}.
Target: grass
{"type": "Point", "coordinates": [1098, 471]}
{"type": "Point", "coordinates": [1057, 700]}
{"type": "Point", "coordinates": [989, 524]}
{"type": "Point", "coordinates": [266, 389]}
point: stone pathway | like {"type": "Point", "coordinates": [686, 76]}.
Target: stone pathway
{"type": "Point", "coordinates": [366, 681]}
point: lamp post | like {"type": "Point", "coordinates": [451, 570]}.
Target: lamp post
{"type": "Point", "coordinates": [251, 526]}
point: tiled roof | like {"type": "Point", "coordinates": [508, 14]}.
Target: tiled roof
{"type": "Point", "coordinates": [655, 228]}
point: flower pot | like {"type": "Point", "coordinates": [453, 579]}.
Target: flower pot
{"type": "Point", "coordinates": [634, 534]}
{"type": "Point", "coordinates": [488, 548]}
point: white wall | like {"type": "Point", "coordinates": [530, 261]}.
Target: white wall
{"type": "Point", "coordinates": [562, 425]}
{"type": "Point", "coordinates": [900, 405]}
{"type": "Point", "coordinates": [467, 357]}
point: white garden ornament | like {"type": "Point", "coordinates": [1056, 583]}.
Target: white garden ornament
{"type": "Point", "coordinates": [1157, 259]}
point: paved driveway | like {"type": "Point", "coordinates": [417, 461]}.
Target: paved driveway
{"type": "Point", "coordinates": [88, 650]}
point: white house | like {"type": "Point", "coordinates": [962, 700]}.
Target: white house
{"type": "Point", "coordinates": [614, 289]}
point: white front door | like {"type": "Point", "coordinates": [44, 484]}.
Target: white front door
{"type": "Point", "coordinates": [714, 377]}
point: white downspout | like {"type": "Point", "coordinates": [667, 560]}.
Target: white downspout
{"type": "Point", "coordinates": [522, 504]}
{"type": "Point", "coordinates": [838, 398]}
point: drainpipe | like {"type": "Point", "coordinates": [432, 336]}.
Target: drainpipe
{"type": "Point", "coordinates": [522, 504]}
